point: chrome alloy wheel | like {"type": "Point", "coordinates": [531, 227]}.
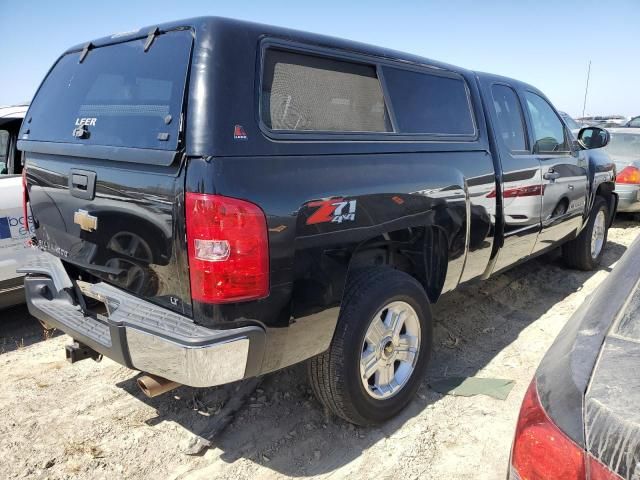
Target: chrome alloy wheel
{"type": "Point", "coordinates": [390, 350]}
{"type": "Point", "coordinates": [597, 234]}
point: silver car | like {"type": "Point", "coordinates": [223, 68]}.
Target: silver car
{"type": "Point", "coordinates": [624, 150]}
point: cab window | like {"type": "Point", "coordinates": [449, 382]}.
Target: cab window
{"type": "Point", "coordinates": [548, 131]}
{"type": "Point", "coordinates": [510, 126]}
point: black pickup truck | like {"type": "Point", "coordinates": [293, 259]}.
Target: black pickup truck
{"type": "Point", "coordinates": [221, 199]}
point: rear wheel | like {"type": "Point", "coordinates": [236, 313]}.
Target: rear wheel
{"type": "Point", "coordinates": [380, 349]}
{"type": "Point", "coordinates": [586, 250]}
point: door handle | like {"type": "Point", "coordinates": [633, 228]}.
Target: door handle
{"type": "Point", "coordinates": [82, 183]}
{"type": "Point", "coordinates": [79, 182]}
{"type": "Point", "coordinates": [551, 175]}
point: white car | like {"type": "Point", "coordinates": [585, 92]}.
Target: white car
{"type": "Point", "coordinates": [14, 231]}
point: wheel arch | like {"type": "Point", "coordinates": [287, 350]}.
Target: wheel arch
{"type": "Point", "coordinates": [607, 191]}
{"type": "Point", "coordinates": [421, 252]}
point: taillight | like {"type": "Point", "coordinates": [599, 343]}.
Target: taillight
{"type": "Point", "coordinates": [228, 249]}
{"type": "Point", "coordinates": [540, 450]}
{"type": "Point", "coordinates": [25, 198]}
{"type": "Point", "coordinates": [629, 174]}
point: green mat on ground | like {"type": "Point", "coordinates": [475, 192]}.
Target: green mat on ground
{"type": "Point", "coordinates": [470, 386]}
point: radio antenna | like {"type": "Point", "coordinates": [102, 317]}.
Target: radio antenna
{"type": "Point", "coordinates": [586, 89]}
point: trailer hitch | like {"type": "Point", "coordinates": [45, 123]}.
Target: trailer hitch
{"type": "Point", "coordinates": [79, 351]}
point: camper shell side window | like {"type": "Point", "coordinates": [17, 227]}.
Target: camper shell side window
{"type": "Point", "coordinates": [307, 93]}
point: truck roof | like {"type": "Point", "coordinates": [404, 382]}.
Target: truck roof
{"type": "Point", "coordinates": [512, 81]}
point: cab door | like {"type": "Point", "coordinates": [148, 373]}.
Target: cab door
{"type": "Point", "coordinates": [521, 181]}
{"type": "Point", "coordinates": [563, 170]}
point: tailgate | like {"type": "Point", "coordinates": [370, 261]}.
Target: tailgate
{"type": "Point", "coordinates": [102, 153]}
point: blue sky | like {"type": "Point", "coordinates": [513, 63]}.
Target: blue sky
{"type": "Point", "coordinates": [547, 43]}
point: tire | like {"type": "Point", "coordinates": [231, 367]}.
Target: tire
{"type": "Point", "coordinates": [578, 253]}
{"type": "Point", "coordinates": [335, 375]}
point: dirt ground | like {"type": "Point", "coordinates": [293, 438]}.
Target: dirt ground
{"type": "Point", "coordinates": [90, 421]}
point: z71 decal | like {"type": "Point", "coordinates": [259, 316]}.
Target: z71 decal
{"type": "Point", "coordinates": [334, 210]}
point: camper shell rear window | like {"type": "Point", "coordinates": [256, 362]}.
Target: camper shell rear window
{"type": "Point", "coordinates": [118, 95]}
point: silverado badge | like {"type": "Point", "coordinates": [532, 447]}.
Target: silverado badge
{"type": "Point", "coordinates": [86, 221]}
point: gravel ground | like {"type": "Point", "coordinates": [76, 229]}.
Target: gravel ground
{"type": "Point", "coordinates": [90, 421]}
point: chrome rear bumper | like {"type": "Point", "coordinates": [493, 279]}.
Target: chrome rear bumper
{"type": "Point", "coordinates": [142, 335]}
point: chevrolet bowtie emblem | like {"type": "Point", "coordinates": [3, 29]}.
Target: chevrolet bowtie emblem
{"type": "Point", "coordinates": [86, 221]}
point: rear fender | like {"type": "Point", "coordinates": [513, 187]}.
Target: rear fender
{"type": "Point", "coordinates": [424, 237]}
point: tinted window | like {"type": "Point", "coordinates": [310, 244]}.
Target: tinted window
{"type": "Point", "coordinates": [509, 118]}
{"type": "Point", "coordinates": [4, 151]}
{"type": "Point", "coordinates": [635, 122]}
{"type": "Point", "coordinates": [548, 130]}
{"type": "Point", "coordinates": [309, 93]}
{"type": "Point", "coordinates": [430, 104]}
{"type": "Point", "coordinates": [129, 97]}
